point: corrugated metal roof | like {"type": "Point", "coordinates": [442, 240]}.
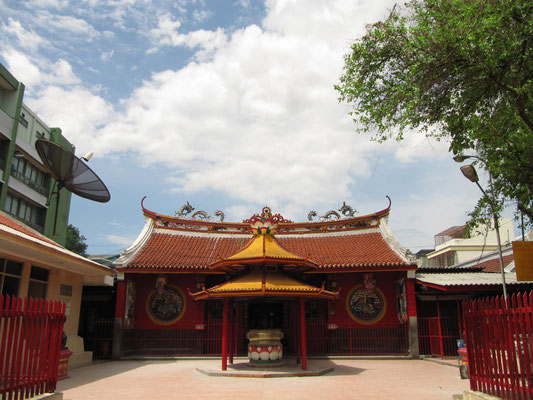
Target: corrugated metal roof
{"type": "Point", "coordinates": [467, 279]}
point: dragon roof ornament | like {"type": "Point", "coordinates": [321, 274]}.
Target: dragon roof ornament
{"type": "Point", "coordinates": [342, 219]}
{"type": "Point", "coordinates": [346, 210]}
{"type": "Point", "coordinates": [187, 208]}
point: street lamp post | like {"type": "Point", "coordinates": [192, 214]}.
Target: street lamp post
{"type": "Point", "coordinates": [470, 173]}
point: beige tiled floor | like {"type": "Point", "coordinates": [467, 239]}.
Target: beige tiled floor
{"type": "Point", "coordinates": [350, 379]}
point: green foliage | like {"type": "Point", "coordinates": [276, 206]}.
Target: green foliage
{"type": "Point", "coordinates": [76, 241]}
{"type": "Point", "coordinates": [455, 69]}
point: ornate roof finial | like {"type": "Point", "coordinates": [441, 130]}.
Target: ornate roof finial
{"type": "Point", "coordinates": [265, 223]}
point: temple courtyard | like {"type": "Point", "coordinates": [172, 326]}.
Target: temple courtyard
{"type": "Point", "coordinates": [191, 379]}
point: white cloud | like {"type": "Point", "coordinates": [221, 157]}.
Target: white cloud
{"type": "Point", "coordinates": [442, 203]}
{"type": "Point", "coordinates": [22, 66]}
{"type": "Point", "coordinates": [254, 116]}
{"type": "Point", "coordinates": [202, 15]}
{"type": "Point", "coordinates": [166, 34]}
{"type": "Point", "coordinates": [259, 118]}
{"type": "Point", "coordinates": [107, 55]}
{"type": "Point", "coordinates": [78, 112]}
{"type": "Point", "coordinates": [166, 31]}
{"type": "Point", "coordinates": [57, 4]}
{"type": "Point", "coordinates": [120, 240]}
{"type": "Point", "coordinates": [243, 3]}
{"type": "Point", "coordinates": [61, 73]}
{"type": "Point", "coordinates": [417, 146]}
{"type": "Point", "coordinates": [27, 39]}
{"type": "Point", "coordinates": [36, 73]}
{"type": "Point", "coordinates": [73, 25]}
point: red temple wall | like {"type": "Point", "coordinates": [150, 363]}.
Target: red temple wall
{"type": "Point", "coordinates": [385, 282]}
{"type": "Point", "coordinates": [145, 286]}
{"type": "Point", "coordinates": [194, 311]}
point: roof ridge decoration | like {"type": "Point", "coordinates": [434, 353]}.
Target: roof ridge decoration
{"type": "Point", "coordinates": [265, 223]}
{"type": "Point", "coordinates": [263, 247]}
{"type": "Point", "coordinates": [346, 210]}
{"type": "Point", "coordinates": [187, 208]}
{"type": "Point", "coordinates": [185, 219]}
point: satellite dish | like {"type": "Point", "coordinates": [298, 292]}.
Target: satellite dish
{"type": "Point", "coordinates": [71, 173]}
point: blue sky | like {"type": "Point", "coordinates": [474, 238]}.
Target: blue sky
{"type": "Point", "coordinates": [226, 104]}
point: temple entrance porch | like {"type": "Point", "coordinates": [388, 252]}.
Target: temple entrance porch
{"type": "Point", "coordinates": [194, 339]}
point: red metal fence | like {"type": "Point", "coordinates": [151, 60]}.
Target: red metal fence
{"type": "Point", "coordinates": [187, 340]}
{"type": "Point", "coordinates": [499, 342]}
{"type": "Point", "coordinates": [99, 339]}
{"type": "Point", "coordinates": [356, 340]}
{"type": "Point", "coordinates": [205, 340]}
{"type": "Point", "coordinates": [437, 336]}
{"type": "Point", "coordinates": [30, 342]}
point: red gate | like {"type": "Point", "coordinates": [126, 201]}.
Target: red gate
{"type": "Point", "coordinates": [30, 342]}
{"type": "Point", "coordinates": [499, 342]}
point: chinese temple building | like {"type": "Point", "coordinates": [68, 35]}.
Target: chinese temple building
{"type": "Point", "coordinates": [266, 287]}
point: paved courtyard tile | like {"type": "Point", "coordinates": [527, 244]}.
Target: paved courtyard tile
{"type": "Point", "coordinates": [350, 379]}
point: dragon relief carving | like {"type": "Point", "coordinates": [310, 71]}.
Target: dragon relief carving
{"type": "Point", "coordinates": [346, 211]}
{"type": "Point", "coordinates": [184, 210]}
{"type": "Point", "coordinates": [187, 209]}
{"type": "Point", "coordinates": [220, 215]}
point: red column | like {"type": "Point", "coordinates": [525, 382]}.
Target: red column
{"type": "Point", "coordinates": [236, 323]}
{"type": "Point", "coordinates": [225, 335]}
{"type": "Point", "coordinates": [120, 303]}
{"type": "Point", "coordinates": [297, 334]}
{"type": "Point", "coordinates": [231, 330]}
{"type": "Point", "coordinates": [120, 312]}
{"type": "Point", "coordinates": [303, 338]}
{"type": "Point", "coordinates": [440, 328]}
{"type": "Point", "coordinates": [460, 320]}
{"type": "Point", "coordinates": [411, 298]}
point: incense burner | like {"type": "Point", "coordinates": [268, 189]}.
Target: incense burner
{"type": "Point", "coordinates": [265, 346]}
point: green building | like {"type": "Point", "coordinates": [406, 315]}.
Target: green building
{"type": "Point", "coordinates": [27, 190]}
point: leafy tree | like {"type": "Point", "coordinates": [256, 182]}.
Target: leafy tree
{"type": "Point", "coordinates": [76, 241]}
{"type": "Point", "coordinates": [455, 69]}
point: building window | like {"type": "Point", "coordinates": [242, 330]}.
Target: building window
{"type": "Point", "coordinates": [25, 212]}
{"type": "Point", "coordinates": [12, 205]}
{"type": "Point", "coordinates": [65, 290]}
{"type": "Point", "coordinates": [10, 272]}
{"type": "Point", "coordinates": [38, 283]}
{"type": "Point", "coordinates": [30, 175]}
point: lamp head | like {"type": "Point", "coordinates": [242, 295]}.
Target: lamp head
{"type": "Point", "coordinates": [460, 158]}
{"type": "Point", "coordinates": [470, 173]}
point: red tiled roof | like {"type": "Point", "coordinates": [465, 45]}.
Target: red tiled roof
{"type": "Point", "coordinates": [368, 249]}
{"type": "Point", "coordinates": [181, 252]}
{"type": "Point", "coordinates": [11, 223]}
{"type": "Point", "coordinates": [185, 252]}
{"type": "Point", "coordinates": [494, 264]}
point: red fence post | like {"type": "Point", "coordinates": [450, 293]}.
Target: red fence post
{"type": "Point", "coordinates": [29, 347]}
{"type": "Point", "coordinates": [499, 340]}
